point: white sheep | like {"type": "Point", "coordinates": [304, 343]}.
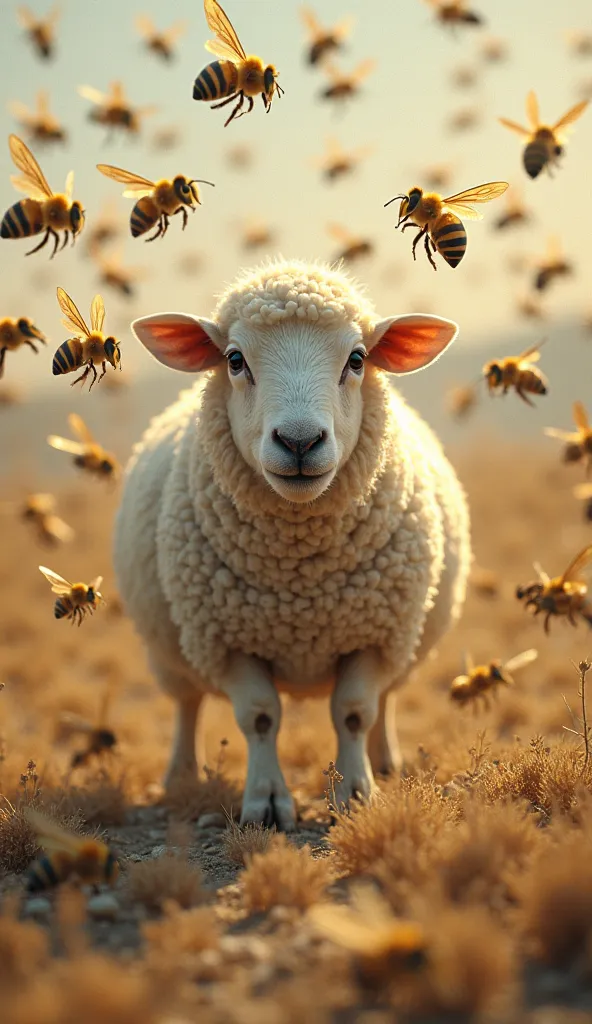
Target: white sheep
{"type": "Point", "coordinates": [289, 524]}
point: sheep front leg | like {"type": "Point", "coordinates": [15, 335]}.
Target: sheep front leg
{"type": "Point", "coordinates": [257, 710]}
{"type": "Point", "coordinates": [383, 745]}
{"type": "Point", "coordinates": [354, 710]}
{"type": "Point", "coordinates": [183, 760]}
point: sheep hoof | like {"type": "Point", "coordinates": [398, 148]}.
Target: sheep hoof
{"type": "Point", "coordinates": [269, 811]}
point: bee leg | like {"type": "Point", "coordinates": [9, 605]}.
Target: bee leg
{"type": "Point", "coordinates": [409, 224]}
{"type": "Point", "coordinates": [185, 216]}
{"type": "Point", "coordinates": [94, 372]}
{"type": "Point", "coordinates": [235, 110]}
{"type": "Point", "coordinates": [547, 621]}
{"type": "Point", "coordinates": [427, 249]}
{"type": "Point", "coordinates": [524, 398]}
{"type": "Point", "coordinates": [82, 377]}
{"type": "Point", "coordinates": [65, 242]}
{"type": "Point", "coordinates": [56, 242]}
{"type": "Point", "coordinates": [31, 345]}
{"type": "Point", "coordinates": [158, 231]}
{"type": "Point", "coordinates": [416, 240]}
{"type": "Point", "coordinates": [2, 355]}
{"type": "Point", "coordinates": [43, 242]}
{"type": "Point", "coordinates": [104, 369]}
{"type": "Point", "coordinates": [165, 220]}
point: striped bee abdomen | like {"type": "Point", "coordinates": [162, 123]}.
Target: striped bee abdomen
{"type": "Point", "coordinates": [22, 220]}
{"type": "Point", "coordinates": [144, 216]}
{"type": "Point", "coordinates": [216, 80]}
{"type": "Point", "coordinates": [68, 357]}
{"type": "Point", "coordinates": [450, 239]}
{"type": "Point", "coordinates": [535, 158]}
{"type": "Point", "coordinates": [41, 875]}
{"type": "Point", "coordinates": [62, 608]}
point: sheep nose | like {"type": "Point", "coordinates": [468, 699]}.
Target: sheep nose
{"type": "Point", "coordinates": [301, 445]}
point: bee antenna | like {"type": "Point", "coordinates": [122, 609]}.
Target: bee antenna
{"type": "Point", "coordinates": [394, 199]}
{"type": "Point", "coordinates": [201, 181]}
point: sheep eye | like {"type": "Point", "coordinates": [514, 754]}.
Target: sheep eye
{"type": "Point", "coordinates": [356, 362]}
{"type": "Point", "coordinates": [236, 362]}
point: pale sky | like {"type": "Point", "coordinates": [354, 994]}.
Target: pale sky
{"type": "Point", "coordinates": [401, 113]}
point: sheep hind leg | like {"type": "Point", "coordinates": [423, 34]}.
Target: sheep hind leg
{"type": "Point", "coordinates": [183, 763]}
{"type": "Point", "coordinates": [354, 710]}
{"type": "Point", "coordinates": [383, 744]}
{"type": "Point", "coordinates": [257, 709]}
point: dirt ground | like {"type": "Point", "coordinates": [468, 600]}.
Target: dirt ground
{"type": "Point", "coordinates": [484, 843]}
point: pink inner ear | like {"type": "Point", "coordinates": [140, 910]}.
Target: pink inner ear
{"type": "Point", "coordinates": [412, 342]}
{"type": "Point", "coordinates": [182, 345]}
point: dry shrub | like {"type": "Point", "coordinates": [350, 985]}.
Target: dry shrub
{"type": "Point", "coordinates": [171, 877]}
{"type": "Point", "coordinates": [101, 801]}
{"type": "Point", "coordinates": [240, 843]}
{"type": "Point", "coordinates": [24, 947]}
{"type": "Point", "coordinates": [549, 777]}
{"type": "Point", "coordinates": [189, 798]}
{"type": "Point", "coordinates": [284, 876]}
{"type": "Point", "coordinates": [181, 933]}
{"type": "Point", "coordinates": [18, 840]}
{"type": "Point", "coordinates": [557, 902]}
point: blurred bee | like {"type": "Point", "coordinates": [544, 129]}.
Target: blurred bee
{"type": "Point", "coordinates": [43, 210]}
{"type": "Point", "coordinates": [545, 144]}
{"type": "Point", "coordinates": [239, 157]}
{"type": "Point", "coordinates": [385, 948]}
{"type": "Point", "coordinates": [337, 161]}
{"type": "Point", "coordinates": [40, 124]}
{"type": "Point", "coordinates": [455, 12]}
{"type": "Point", "coordinates": [67, 856]}
{"type": "Point", "coordinates": [14, 333]}
{"type": "Point", "coordinates": [104, 228]}
{"type": "Point", "coordinates": [343, 86]}
{"type": "Point", "coordinates": [516, 212]}
{"type": "Point", "coordinates": [464, 77]}
{"type": "Point", "coordinates": [494, 50]}
{"type": "Point", "coordinates": [161, 43]}
{"type": "Point", "coordinates": [38, 510]}
{"type": "Point", "coordinates": [552, 265]}
{"type": "Point", "coordinates": [256, 234]}
{"type": "Point", "coordinates": [86, 348]}
{"type": "Point", "coordinates": [437, 175]}
{"type": "Point", "coordinates": [112, 273]}
{"type": "Point", "coordinates": [88, 454]}
{"type": "Point", "coordinates": [10, 395]}
{"type": "Point", "coordinates": [74, 600]}
{"type": "Point", "coordinates": [41, 31]}
{"type": "Point", "coordinates": [481, 680]}
{"type": "Point", "coordinates": [464, 120]}
{"type": "Point", "coordinates": [238, 76]}
{"type": "Point", "coordinates": [461, 400]}
{"type": "Point", "coordinates": [579, 442]}
{"type": "Point", "coordinates": [530, 308]}
{"type": "Point", "coordinates": [579, 42]}
{"type": "Point", "coordinates": [191, 263]}
{"type": "Point", "coordinates": [99, 737]}
{"type": "Point", "coordinates": [583, 492]}
{"type": "Point", "coordinates": [353, 247]}
{"type": "Point", "coordinates": [113, 110]}
{"type": "Point", "coordinates": [323, 40]}
{"type": "Point", "coordinates": [485, 582]}
{"type": "Point", "coordinates": [166, 138]}
{"type": "Point", "coordinates": [156, 201]}
{"type": "Point", "coordinates": [562, 595]}
{"type": "Point", "coordinates": [438, 221]}
{"type": "Point", "coordinates": [516, 372]}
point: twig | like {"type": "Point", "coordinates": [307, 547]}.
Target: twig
{"type": "Point", "coordinates": [583, 667]}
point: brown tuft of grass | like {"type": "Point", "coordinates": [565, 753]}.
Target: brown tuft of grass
{"type": "Point", "coordinates": [181, 933]}
{"type": "Point", "coordinates": [171, 877]}
{"type": "Point", "coordinates": [557, 902]}
{"type": "Point", "coordinates": [284, 876]}
{"type": "Point", "coordinates": [24, 946]}
{"type": "Point", "coordinates": [189, 798]}
{"type": "Point", "coordinates": [240, 843]}
{"type": "Point", "coordinates": [548, 776]}
{"type": "Point", "coordinates": [18, 841]}
{"type": "Point", "coordinates": [101, 801]}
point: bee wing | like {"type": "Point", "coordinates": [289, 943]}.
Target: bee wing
{"type": "Point", "coordinates": [580, 416]}
{"type": "Point", "coordinates": [135, 182]}
{"type": "Point", "coordinates": [51, 836]}
{"type": "Point", "coordinates": [334, 149]}
{"type": "Point", "coordinates": [92, 94]}
{"type": "Point", "coordinates": [69, 189]}
{"type": "Point", "coordinates": [332, 71]}
{"type": "Point", "coordinates": [79, 427]}
{"type": "Point", "coordinates": [175, 31]}
{"type": "Point", "coordinates": [151, 108]}
{"type": "Point", "coordinates": [42, 103]}
{"type": "Point", "coordinates": [145, 25]}
{"type": "Point", "coordinates": [58, 529]}
{"type": "Point", "coordinates": [469, 663]}
{"type": "Point", "coordinates": [26, 162]}
{"type": "Point", "coordinates": [467, 212]}
{"type": "Point", "coordinates": [311, 22]}
{"type": "Point", "coordinates": [226, 42]}
{"type": "Point", "coordinates": [577, 564]}
{"type": "Point", "coordinates": [117, 93]}
{"type": "Point", "coordinates": [563, 435]}
{"type": "Point", "coordinates": [339, 232]}
{"type": "Point", "coordinates": [513, 126]}
{"type": "Point", "coordinates": [21, 112]}
{"type": "Point", "coordinates": [343, 28]}
{"type": "Point", "coordinates": [582, 491]}
{"type": "Point", "coordinates": [96, 583]}
{"type": "Point", "coordinates": [521, 660]}
{"type": "Point", "coordinates": [363, 69]}
{"type": "Point", "coordinates": [72, 318]}
{"type": "Point", "coordinates": [572, 115]}
{"type": "Point", "coordinates": [64, 444]}
{"type": "Point", "coordinates": [97, 313]}
{"type": "Point", "coordinates": [479, 194]}
{"type": "Point", "coordinates": [542, 575]}
{"type": "Point", "coordinates": [532, 355]}
{"type": "Point", "coordinates": [345, 928]}
{"type": "Point", "coordinates": [58, 584]}
{"type": "Point", "coordinates": [25, 186]}
{"type": "Point", "coordinates": [532, 110]}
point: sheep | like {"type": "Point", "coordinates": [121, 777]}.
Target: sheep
{"type": "Point", "coordinates": [290, 524]}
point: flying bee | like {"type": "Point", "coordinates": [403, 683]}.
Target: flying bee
{"type": "Point", "coordinates": [437, 175]}
{"type": "Point", "coordinates": [14, 333]}
{"type": "Point", "coordinates": [482, 680]}
{"type": "Point", "coordinates": [454, 13]}
{"type": "Point", "coordinates": [86, 348]}
{"type": "Point", "coordinates": [464, 120]}
{"type": "Point", "coordinates": [579, 42]}
{"type": "Point", "coordinates": [562, 595]}
{"type": "Point", "coordinates": [353, 247]}
{"type": "Point", "coordinates": [239, 157]}
{"type": "Point", "coordinates": [41, 124]}
{"type": "Point", "coordinates": [579, 442]}
{"type": "Point", "coordinates": [67, 856]}
{"type": "Point", "coordinates": [464, 77]}
{"type": "Point", "coordinates": [166, 138]}
{"type": "Point", "coordinates": [337, 161]}
{"type": "Point", "coordinates": [545, 144]}
{"type": "Point", "coordinates": [74, 599]}
{"type": "Point", "coordinates": [41, 31]}
{"type": "Point", "coordinates": [343, 86]}
{"type": "Point", "coordinates": [553, 264]}
{"type": "Point", "coordinates": [438, 218]}
{"type": "Point", "coordinates": [88, 454]}
{"type": "Point", "coordinates": [238, 77]}
{"type": "Point", "coordinates": [43, 210]}
{"type": "Point", "coordinates": [583, 492]}
{"type": "Point", "coordinates": [323, 40]}
{"type": "Point", "coordinates": [113, 110]}
{"type": "Point", "coordinates": [105, 228]}
{"type": "Point", "coordinates": [99, 737]}
{"type": "Point", "coordinates": [516, 372]}
{"type": "Point", "coordinates": [461, 400]}
{"type": "Point", "coordinates": [38, 510]}
{"type": "Point", "coordinates": [530, 308]}
{"type": "Point", "coordinates": [494, 50]}
{"type": "Point", "coordinates": [156, 201]}
{"type": "Point", "coordinates": [256, 234]}
{"type": "Point", "coordinates": [161, 43]}
{"type": "Point", "coordinates": [515, 213]}
{"type": "Point", "coordinates": [113, 274]}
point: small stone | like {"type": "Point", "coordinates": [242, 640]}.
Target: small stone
{"type": "Point", "coordinates": [103, 907]}
{"type": "Point", "coordinates": [214, 820]}
{"type": "Point", "coordinates": [135, 858]}
{"type": "Point", "coordinates": [39, 906]}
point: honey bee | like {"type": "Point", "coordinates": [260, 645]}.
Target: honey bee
{"type": "Point", "coordinates": [464, 77]}
{"type": "Point", "coordinates": [516, 372]}
{"type": "Point", "coordinates": [9, 395]}
{"type": "Point", "coordinates": [482, 680]}
{"type": "Point", "coordinates": [530, 308]}
{"type": "Point", "coordinates": [437, 175]}
{"type": "Point", "coordinates": [161, 43]}
{"type": "Point", "coordinates": [43, 210]}
{"type": "Point", "coordinates": [156, 201]}
{"type": "Point", "coordinates": [337, 161]}
{"type": "Point", "coordinates": [353, 247]}
{"type": "Point", "coordinates": [74, 600]}
{"type": "Point", "coordinates": [385, 948]}
{"type": "Point", "coordinates": [41, 124]}
{"type": "Point", "coordinates": [562, 595]}
{"type": "Point", "coordinates": [461, 400]}
{"type": "Point", "coordinates": [113, 110]}
{"type": "Point", "coordinates": [238, 77]}
{"type": "Point", "coordinates": [41, 31]}
{"type": "Point", "coordinates": [550, 266]}
{"type": "Point", "coordinates": [166, 138]}
{"type": "Point", "coordinates": [256, 234]}
{"type": "Point", "coordinates": [88, 454]}
{"type": "Point", "coordinates": [484, 582]}
{"type": "Point", "coordinates": [323, 40]}
{"type": "Point", "coordinates": [113, 274]}
{"type": "Point", "coordinates": [86, 347]}
{"type": "Point", "coordinates": [438, 221]}
{"type": "Point", "coordinates": [99, 737]}
{"type": "Point", "coordinates": [106, 227]}
{"type": "Point", "coordinates": [545, 144]}
{"type": "Point", "coordinates": [579, 442]}
{"type": "Point", "coordinates": [579, 42]}
{"type": "Point", "coordinates": [344, 86]}
{"type": "Point", "coordinates": [67, 856]}
{"type": "Point", "coordinates": [583, 492]}
{"type": "Point", "coordinates": [515, 213]}
{"type": "Point", "coordinates": [239, 157]}
{"type": "Point", "coordinates": [464, 120]}
{"type": "Point", "coordinates": [494, 50]}
{"type": "Point", "coordinates": [38, 510]}
{"type": "Point", "coordinates": [454, 13]}
{"type": "Point", "coordinates": [14, 333]}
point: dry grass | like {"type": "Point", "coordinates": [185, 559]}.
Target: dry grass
{"type": "Point", "coordinates": [170, 877]}
{"type": "Point", "coordinates": [557, 903]}
{"type": "Point", "coordinates": [189, 798]}
{"type": "Point", "coordinates": [284, 876]}
{"type": "Point", "coordinates": [239, 844]}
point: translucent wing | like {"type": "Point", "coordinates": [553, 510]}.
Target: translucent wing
{"type": "Point", "coordinates": [335, 150]}
{"type": "Point", "coordinates": [580, 416]}
{"type": "Point", "coordinates": [363, 69]}
{"type": "Point", "coordinates": [464, 211]}
{"type": "Point", "coordinates": [469, 663]}
{"type": "Point", "coordinates": [72, 318]}
{"type": "Point", "coordinates": [571, 116]}
{"type": "Point", "coordinates": [58, 584]}
{"type": "Point", "coordinates": [513, 126]}
{"type": "Point", "coordinates": [92, 94]}
{"type": "Point", "coordinates": [26, 162]}
{"type": "Point", "coordinates": [145, 25]}
{"type": "Point", "coordinates": [64, 444]}
{"type": "Point", "coordinates": [343, 27]}
{"type": "Point", "coordinates": [96, 583]}
{"type": "Point", "coordinates": [97, 313]}
{"type": "Point", "coordinates": [134, 182]}
{"type": "Point", "coordinates": [69, 187]}
{"type": "Point", "coordinates": [333, 72]}
{"type": "Point", "coordinates": [542, 575]}
{"type": "Point", "coordinates": [79, 427]}
{"type": "Point", "coordinates": [58, 528]}
{"type": "Point", "coordinates": [521, 660]}
{"type": "Point", "coordinates": [226, 42]}
{"type": "Point", "coordinates": [20, 111]}
{"type": "Point", "coordinates": [341, 926]}
{"type": "Point", "coordinates": [339, 232]}
{"type": "Point", "coordinates": [175, 31]}
{"type": "Point", "coordinates": [311, 22]}
{"type": "Point", "coordinates": [51, 836]}
{"type": "Point", "coordinates": [563, 435]}
{"type": "Point", "coordinates": [25, 17]}
{"type": "Point", "coordinates": [578, 563]}
{"type": "Point", "coordinates": [532, 354]}
{"type": "Point", "coordinates": [583, 491]}
{"type": "Point", "coordinates": [24, 185]}
{"type": "Point", "coordinates": [151, 108]}
{"type": "Point", "coordinates": [479, 194]}
{"type": "Point", "coordinates": [532, 110]}
{"type": "Point", "coordinates": [117, 93]}
{"type": "Point", "coordinates": [42, 103]}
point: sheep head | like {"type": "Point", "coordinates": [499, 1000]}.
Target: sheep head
{"type": "Point", "coordinates": [294, 341]}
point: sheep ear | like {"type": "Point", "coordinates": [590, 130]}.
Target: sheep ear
{"type": "Point", "coordinates": [180, 341]}
{"type": "Point", "coordinates": [405, 344]}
